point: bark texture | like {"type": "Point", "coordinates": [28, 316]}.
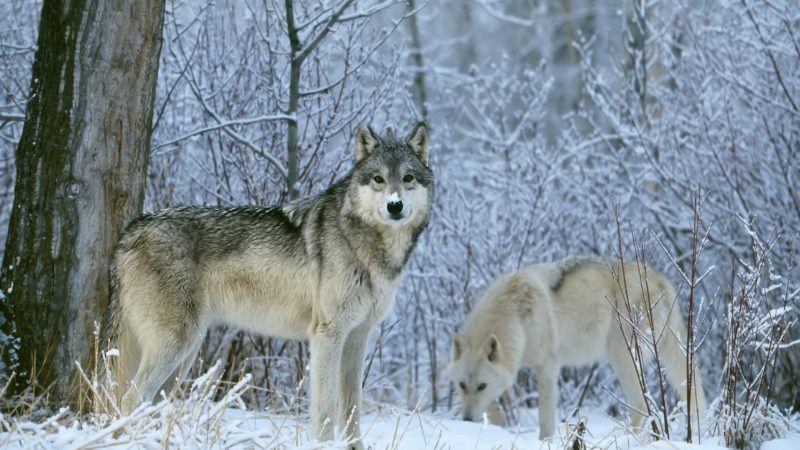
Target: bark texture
{"type": "Point", "coordinates": [81, 167]}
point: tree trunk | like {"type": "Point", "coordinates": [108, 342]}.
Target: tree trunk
{"type": "Point", "coordinates": [420, 94]}
{"type": "Point", "coordinates": [292, 147]}
{"type": "Point", "coordinates": [81, 166]}
{"type": "Point", "coordinates": [299, 51]}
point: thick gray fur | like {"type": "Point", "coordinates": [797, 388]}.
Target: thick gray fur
{"type": "Point", "coordinates": [323, 268]}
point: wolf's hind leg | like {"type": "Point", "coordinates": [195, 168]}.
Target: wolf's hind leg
{"type": "Point", "coordinates": [628, 378]}
{"type": "Point", "coordinates": [156, 366]}
{"type": "Point", "coordinates": [174, 380]}
{"type": "Point", "coordinates": [161, 357]}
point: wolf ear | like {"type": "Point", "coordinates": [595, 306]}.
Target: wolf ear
{"type": "Point", "coordinates": [458, 347]}
{"type": "Point", "coordinates": [491, 348]}
{"type": "Point", "coordinates": [417, 141]}
{"type": "Point", "coordinates": [366, 142]}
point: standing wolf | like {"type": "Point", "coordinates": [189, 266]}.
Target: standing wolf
{"type": "Point", "coordinates": [566, 313]}
{"type": "Point", "coordinates": [323, 268]}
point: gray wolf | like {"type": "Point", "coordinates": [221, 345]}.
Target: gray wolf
{"type": "Point", "coordinates": [323, 268]}
{"type": "Point", "coordinates": [570, 312]}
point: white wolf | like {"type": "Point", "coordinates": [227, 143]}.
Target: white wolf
{"type": "Point", "coordinates": [566, 313]}
{"type": "Point", "coordinates": [323, 268]}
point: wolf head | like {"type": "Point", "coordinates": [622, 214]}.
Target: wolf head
{"type": "Point", "coordinates": [479, 373]}
{"type": "Point", "coordinates": [394, 185]}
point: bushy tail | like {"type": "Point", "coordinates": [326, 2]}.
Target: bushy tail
{"type": "Point", "coordinates": [672, 352]}
{"type": "Point", "coordinates": [117, 354]}
{"type": "Point", "coordinates": [109, 327]}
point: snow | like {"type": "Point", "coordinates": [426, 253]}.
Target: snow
{"type": "Point", "coordinates": [672, 445]}
{"type": "Point", "coordinates": [393, 198]}
{"type": "Point", "coordinates": [790, 443]}
{"type": "Point", "coordinates": [404, 430]}
{"type": "Point", "coordinates": [535, 137]}
{"type": "Point", "coordinates": [202, 424]}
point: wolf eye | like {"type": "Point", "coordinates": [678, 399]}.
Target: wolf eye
{"type": "Point", "coordinates": [462, 386]}
{"type": "Point", "coordinates": [481, 387]}
{"type": "Point", "coordinates": [378, 179]}
{"type": "Point", "coordinates": [408, 178]}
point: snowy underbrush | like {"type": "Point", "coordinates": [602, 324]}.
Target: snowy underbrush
{"type": "Point", "coordinates": [204, 415]}
{"type": "Point", "coordinates": [753, 425]}
{"type": "Point", "coordinates": [192, 418]}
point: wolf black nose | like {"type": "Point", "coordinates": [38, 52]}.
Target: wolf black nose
{"type": "Point", "coordinates": [394, 208]}
{"type": "Point", "coordinates": [467, 418]}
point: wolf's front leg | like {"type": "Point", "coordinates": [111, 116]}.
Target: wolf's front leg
{"type": "Point", "coordinates": [326, 349]}
{"type": "Point", "coordinates": [352, 371]}
{"type": "Point", "coordinates": [547, 378]}
{"type": "Point", "coordinates": [495, 414]}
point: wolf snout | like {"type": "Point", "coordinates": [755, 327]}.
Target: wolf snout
{"type": "Point", "coordinates": [395, 209]}
{"type": "Point", "coordinates": [468, 418]}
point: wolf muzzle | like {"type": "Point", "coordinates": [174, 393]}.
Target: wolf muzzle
{"type": "Point", "coordinates": [395, 209]}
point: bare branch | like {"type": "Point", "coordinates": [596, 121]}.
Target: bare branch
{"type": "Point", "coordinates": [10, 117]}
{"type": "Point", "coordinates": [308, 48]}
{"type": "Point", "coordinates": [276, 164]}
{"type": "Point", "coordinates": [226, 124]}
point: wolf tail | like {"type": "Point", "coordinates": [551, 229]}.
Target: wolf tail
{"type": "Point", "coordinates": [115, 367]}
{"type": "Point", "coordinates": [672, 350]}
{"type": "Point", "coordinates": [109, 329]}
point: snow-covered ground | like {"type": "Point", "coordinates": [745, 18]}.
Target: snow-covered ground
{"type": "Point", "coordinates": [198, 421]}
{"type": "Point", "coordinates": [237, 429]}
{"type": "Point", "coordinates": [202, 418]}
